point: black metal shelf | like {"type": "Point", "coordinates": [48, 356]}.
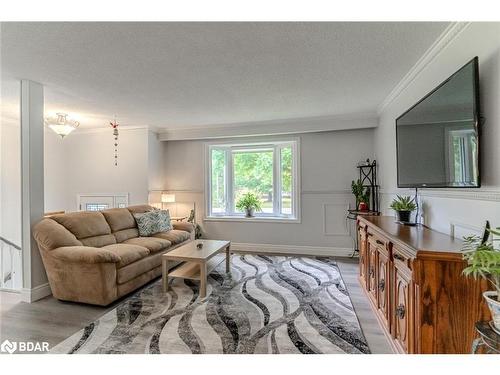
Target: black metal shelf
{"type": "Point", "coordinates": [368, 178]}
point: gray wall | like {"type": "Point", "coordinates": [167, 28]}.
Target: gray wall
{"type": "Point", "coordinates": [455, 211]}
{"type": "Point", "coordinates": [328, 164]}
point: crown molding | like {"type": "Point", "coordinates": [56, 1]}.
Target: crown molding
{"type": "Point", "coordinates": [273, 127]}
{"type": "Point", "coordinates": [446, 37]}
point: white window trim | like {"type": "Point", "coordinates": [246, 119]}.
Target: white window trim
{"type": "Point", "coordinates": [251, 144]}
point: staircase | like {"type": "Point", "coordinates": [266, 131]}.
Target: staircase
{"type": "Point", "coordinates": [10, 265]}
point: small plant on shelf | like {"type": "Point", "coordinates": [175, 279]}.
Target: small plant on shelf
{"type": "Point", "coordinates": [249, 203]}
{"type": "Point", "coordinates": [483, 260]}
{"type": "Point", "coordinates": [362, 195]}
{"type": "Point", "coordinates": [404, 206]}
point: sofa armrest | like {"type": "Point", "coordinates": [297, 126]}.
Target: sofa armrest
{"type": "Point", "coordinates": [84, 254]}
{"type": "Point", "coordinates": [183, 225]}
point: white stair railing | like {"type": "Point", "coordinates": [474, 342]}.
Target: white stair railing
{"type": "Point", "coordinates": [10, 265]}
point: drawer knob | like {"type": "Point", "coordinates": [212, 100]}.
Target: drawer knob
{"type": "Point", "coordinates": [401, 311]}
{"type": "Point", "coordinates": [381, 285]}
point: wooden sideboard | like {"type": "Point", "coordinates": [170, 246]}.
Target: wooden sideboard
{"type": "Point", "coordinates": [412, 276]}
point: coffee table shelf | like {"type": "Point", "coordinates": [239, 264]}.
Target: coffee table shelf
{"type": "Point", "coordinates": [199, 257]}
{"type": "Point", "coordinates": [191, 270]}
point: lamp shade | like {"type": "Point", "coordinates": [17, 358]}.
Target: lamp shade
{"type": "Point", "coordinates": [168, 198]}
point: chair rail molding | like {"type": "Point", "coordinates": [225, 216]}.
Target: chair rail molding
{"type": "Point", "coordinates": [488, 195]}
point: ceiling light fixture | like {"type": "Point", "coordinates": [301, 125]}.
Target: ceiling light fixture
{"type": "Point", "coordinates": [61, 125]}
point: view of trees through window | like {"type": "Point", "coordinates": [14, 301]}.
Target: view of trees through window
{"type": "Point", "coordinates": [253, 170]}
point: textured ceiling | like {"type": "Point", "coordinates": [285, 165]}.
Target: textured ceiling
{"type": "Point", "coordinates": [184, 75]}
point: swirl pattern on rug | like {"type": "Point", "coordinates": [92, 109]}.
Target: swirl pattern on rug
{"type": "Point", "coordinates": [268, 304]}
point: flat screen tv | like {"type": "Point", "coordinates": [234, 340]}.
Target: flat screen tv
{"type": "Point", "coordinates": [437, 139]}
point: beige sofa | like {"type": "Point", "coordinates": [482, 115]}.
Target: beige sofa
{"type": "Point", "coordinates": [97, 257]}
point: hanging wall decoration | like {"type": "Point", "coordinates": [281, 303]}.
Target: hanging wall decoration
{"type": "Point", "coordinates": [114, 125]}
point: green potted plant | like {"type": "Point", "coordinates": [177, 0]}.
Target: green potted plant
{"type": "Point", "coordinates": [249, 203]}
{"type": "Point", "coordinates": [361, 194]}
{"type": "Point", "coordinates": [404, 206]}
{"type": "Point", "coordinates": [483, 261]}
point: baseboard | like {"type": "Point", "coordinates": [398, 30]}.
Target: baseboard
{"type": "Point", "coordinates": [290, 249]}
{"type": "Point", "coordinates": [36, 293]}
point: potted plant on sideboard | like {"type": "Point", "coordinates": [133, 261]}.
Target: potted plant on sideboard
{"type": "Point", "coordinates": [404, 206]}
{"type": "Point", "coordinates": [249, 203]}
{"type": "Point", "coordinates": [361, 194]}
{"type": "Point", "coordinates": [483, 261]}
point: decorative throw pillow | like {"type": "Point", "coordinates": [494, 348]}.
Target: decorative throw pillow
{"type": "Point", "coordinates": [153, 222]}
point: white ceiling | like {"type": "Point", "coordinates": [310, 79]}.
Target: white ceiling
{"type": "Point", "coordinates": [190, 75]}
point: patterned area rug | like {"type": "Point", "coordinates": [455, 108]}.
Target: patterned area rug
{"type": "Point", "coordinates": [269, 304]}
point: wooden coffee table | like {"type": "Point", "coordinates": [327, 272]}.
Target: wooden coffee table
{"type": "Point", "coordinates": [197, 262]}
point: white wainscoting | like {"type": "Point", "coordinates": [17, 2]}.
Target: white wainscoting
{"type": "Point", "coordinates": [458, 213]}
{"type": "Point", "coordinates": [334, 219]}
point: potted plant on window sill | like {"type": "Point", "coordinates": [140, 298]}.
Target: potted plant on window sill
{"type": "Point", "coordinates": [249, 203]}
{"type": "Point", "coordinates": [404, 206]}
{"type": "Point", "coordinates": [483, 261]}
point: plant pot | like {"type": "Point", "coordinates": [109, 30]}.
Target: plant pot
{"type": "Point", "coordinates": [403, 216]}
{"type": "Point", "coordinates": [249, 212]}
{"type": "Point", "coordinates": [491, 298]}
{"type": "Point", "coordinates": [363, 206]}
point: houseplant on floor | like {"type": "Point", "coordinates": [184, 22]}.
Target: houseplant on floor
{"type": "Point", "coordinates": [249, 203]}
{"type": "Point", "coordinates": [361, 194]}
{"type": "Point", "coordinates": [404, 206]}
{"type": "Point", "coordinates": [483, 260]}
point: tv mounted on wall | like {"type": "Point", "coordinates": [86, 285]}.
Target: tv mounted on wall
{"type": "Point", "coordinates": [437, 140]}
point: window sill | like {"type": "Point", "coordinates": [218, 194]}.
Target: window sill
{"type": "Point", "coordinates": [268, 219]}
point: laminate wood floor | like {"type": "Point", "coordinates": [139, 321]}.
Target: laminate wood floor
{"type": "Point", "coordinates": [53, 321]}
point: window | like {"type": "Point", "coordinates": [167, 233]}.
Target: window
{"type": "Point", "coordinates": [268, 170]}
{"type": "Point", "coordinates": [99, 202]}
{"type": "Point", "coordinates": [96, 206]}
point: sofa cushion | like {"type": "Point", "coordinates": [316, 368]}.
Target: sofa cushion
{"type": "Point", "coordinates": [138, 268]}
{"type": "Point", "coordinates": [142, 266]}
{"type": "Point", "coordinates": [84, 224]}
{"type": "Point", "coordinates": [183, 225]}
{"type": "Point", "coordinates": [123, 235]}
{"type": "Point", "coordinates": [153, 222]}
{"type": "Point", "coordinates": [175, 236]}
{"type": "Point", "coordinates": [99, 241]}
{"type": "Point", "coordinates": [153, 244]}
{"type": "Point", "coordinates": [119, 219]}
{"type": "Point", "coordinates": [140, 208]}
{"type": "Point", "coordinates": [127, 253]}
